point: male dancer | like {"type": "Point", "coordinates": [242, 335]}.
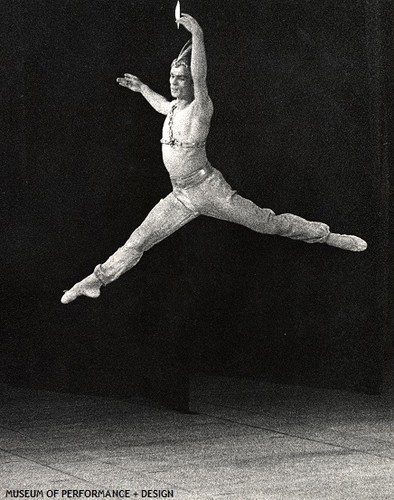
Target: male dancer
{"type": "Point", "coordinates": [198, 188]}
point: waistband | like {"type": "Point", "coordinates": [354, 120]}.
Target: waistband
{"type": "Point", "coordinates": [192, 179]}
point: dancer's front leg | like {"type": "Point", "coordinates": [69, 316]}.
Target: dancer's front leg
{"type": "Point", "coordinates": [164, 219]}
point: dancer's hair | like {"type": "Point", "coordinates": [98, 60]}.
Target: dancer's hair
{"type": "Point", "coordinates": [184, 57]}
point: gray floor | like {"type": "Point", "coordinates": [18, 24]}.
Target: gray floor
{"type": "Point", "coordinates": [249, 440]}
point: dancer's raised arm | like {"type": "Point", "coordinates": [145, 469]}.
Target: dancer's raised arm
{"type": "Point", "coordinates": [157, 101]}
{"type": "Point", "coordinates": [198, 64]}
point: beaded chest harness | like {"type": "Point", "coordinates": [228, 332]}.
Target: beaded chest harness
{"type": "Point", "coordinates": [174, 142]}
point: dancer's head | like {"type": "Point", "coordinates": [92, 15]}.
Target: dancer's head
{"type": "Point", "coordinates": [181, 82]}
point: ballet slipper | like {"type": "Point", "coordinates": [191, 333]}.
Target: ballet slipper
{"type": "Point", "coordinates": [89, 287]}
{"type": "Point", "coordinates": [346, 242]}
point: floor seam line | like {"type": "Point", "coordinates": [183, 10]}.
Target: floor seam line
{"type": "Point", "coordinates": [46, 466]}
{"type": "Point", "coordinates": [327, 443]}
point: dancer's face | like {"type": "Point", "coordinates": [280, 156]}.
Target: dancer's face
{"type": "Point", "coordinates": [181, 84]}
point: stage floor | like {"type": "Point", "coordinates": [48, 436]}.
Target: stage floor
{"type": "Point", "coordinates": [247, 440]}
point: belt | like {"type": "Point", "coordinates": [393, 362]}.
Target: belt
{"type": "Point", "coordinates": [192, 179]}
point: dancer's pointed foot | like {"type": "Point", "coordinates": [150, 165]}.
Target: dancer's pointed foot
{"type": "Point", "coordinates": [90, 287]}
{"type": "Point", "coordinates": [346, 242]}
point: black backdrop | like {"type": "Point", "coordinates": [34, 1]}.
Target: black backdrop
{"type": "Point", "coordinates": [299, 126]}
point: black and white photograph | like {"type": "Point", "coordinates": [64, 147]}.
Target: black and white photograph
{"type": "Point", "coordinates": [197, 286]}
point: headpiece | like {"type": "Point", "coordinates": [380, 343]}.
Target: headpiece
{"type": "Point", "coordinates": [184, 56]}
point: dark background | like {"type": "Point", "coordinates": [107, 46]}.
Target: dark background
{"type": "Point", "coordinates": [301, 125]}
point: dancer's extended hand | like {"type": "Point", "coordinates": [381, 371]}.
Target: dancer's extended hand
{"type": "Point", "coordinates": [131, 82]}
{"type": "Point", "coordinates": [189, 23]}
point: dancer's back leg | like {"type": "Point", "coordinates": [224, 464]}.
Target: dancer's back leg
{"type": "Point", "coordinates": [224, 203]}
{"type": "Point", "coordinates": [264, 220]}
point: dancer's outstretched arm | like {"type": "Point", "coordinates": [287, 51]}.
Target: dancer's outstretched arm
{"type": "Point", "coordinates": [157, 101]}
{"type": "Point", "coordinates": [198, 66]}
